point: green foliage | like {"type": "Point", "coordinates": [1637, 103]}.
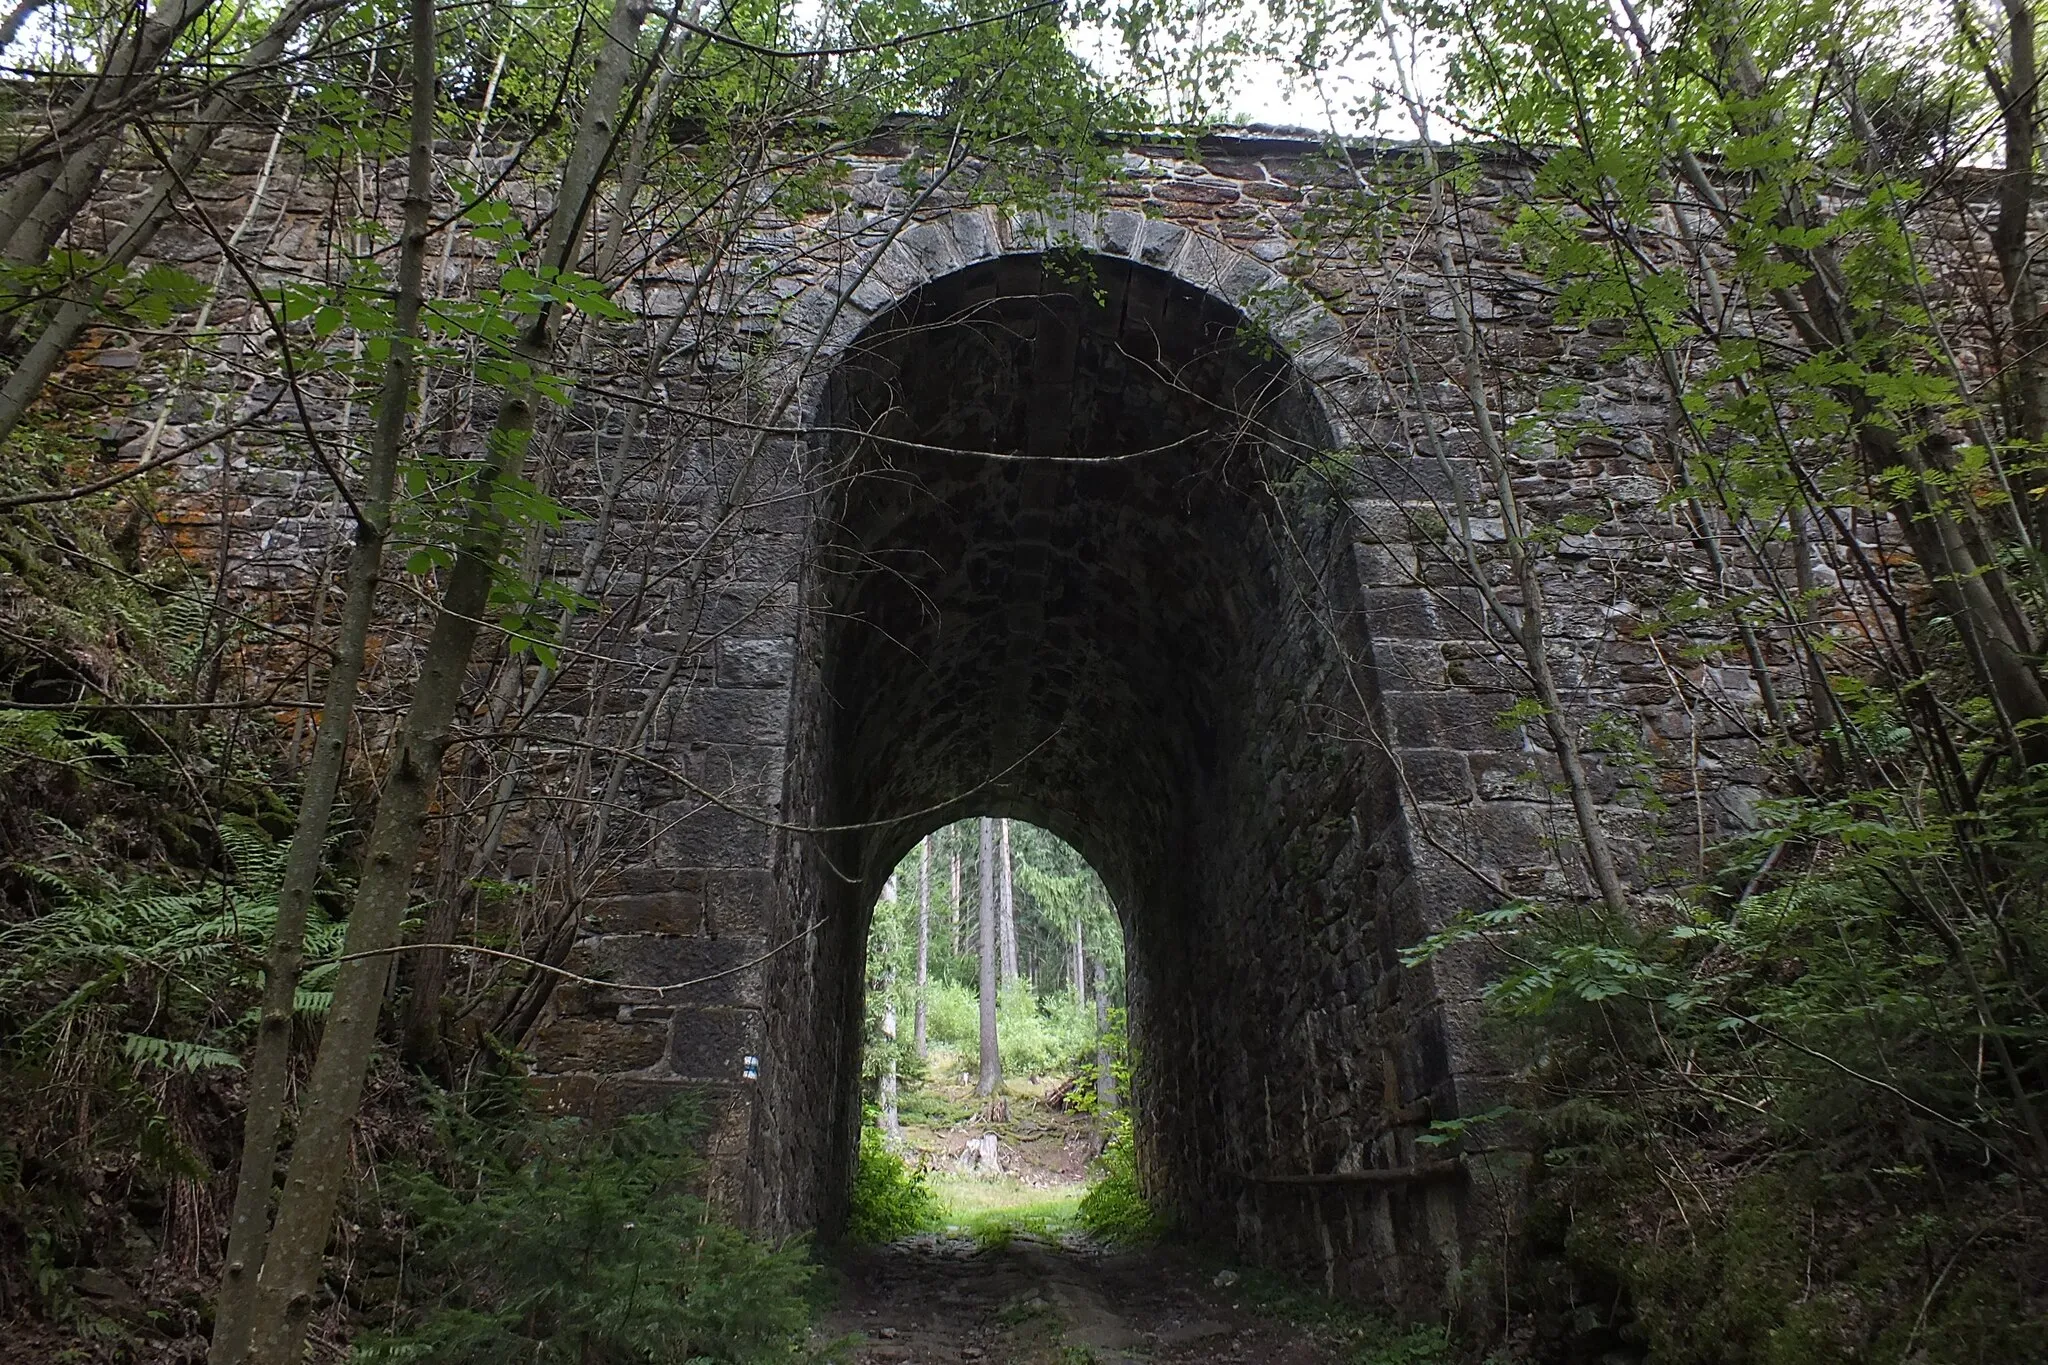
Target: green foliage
{"type": "Point", "coordinates": [170, 959]}
{"type": "Point", "coordinates": [1115, 1208]}
{"type": "Point", "coordinates": [952, 1017]}
{"type": "Point", "coordinates": [891, 1198]}
{"type": "Point", "coordinates": [1039, 1033]}
{"type": "Point", "coordinates": [558, 1241]}
{"type": "Point", "coordinates": [1037, 1037]}
{"type": "Point", "coordinates": [1364, 1337]}
{"type": "Point", "coordinates": [1117, 1041]}
{"type": "Point", "coordinates": [1837, 1036]}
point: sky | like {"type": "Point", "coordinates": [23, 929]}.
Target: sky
{"type": "Point", "coordinates": [1264, 91]}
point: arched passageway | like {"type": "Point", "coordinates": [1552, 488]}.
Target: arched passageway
{"type": "Point", "coordinates": [1075, 564]}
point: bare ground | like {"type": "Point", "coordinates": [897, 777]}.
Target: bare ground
{"type": "Point", "coordinates": [1034, 1301]}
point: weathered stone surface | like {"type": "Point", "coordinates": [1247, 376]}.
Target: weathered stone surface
{"type": "Point", "coordinates": [1217, 634]}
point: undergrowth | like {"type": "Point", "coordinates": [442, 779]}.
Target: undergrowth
{"type": "Point", "coordinates": [1362, 1336]}
{"type": "Point", "coordinates": [1115, 1209]}
{"type": "Point", "coordinates": [554, 1240]}
{"type": "Point", "coordinates": [142, 844]}
{"type": "Point", "coordinates": [891, 1198]}
{"type": "Point", "coordinates": [1799, 1126]}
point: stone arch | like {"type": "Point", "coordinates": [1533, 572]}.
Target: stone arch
{"type": "Point", "coordinates": [1151, 649]}
{"type": "Point", "coordinates": [822, 321]}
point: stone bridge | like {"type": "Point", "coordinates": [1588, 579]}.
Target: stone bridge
{"type": "Point", "coordinates": [1129, 523]}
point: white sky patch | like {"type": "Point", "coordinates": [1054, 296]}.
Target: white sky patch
{"type": "Point", "coordinates": [1351, 97]}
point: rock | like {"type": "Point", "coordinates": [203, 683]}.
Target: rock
{"type": "Point", "coordinates": [1224, 1279]}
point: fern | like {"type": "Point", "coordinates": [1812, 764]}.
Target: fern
{"type": "Point", "coordinates": [158, 965]}
{"type": "Point", "coordinates": [143, 1049]}
{"type": "Point", "coordinates": [51, 737]}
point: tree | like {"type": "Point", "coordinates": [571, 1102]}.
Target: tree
{"type": "Point", "coordinates": [269, 1064]}
{"type": "Point", "coordinates": [1105, 1069]}
{"type": "Point", "coordinates": [1007, 909]}
{"type": "Point", "coordinates": [991, 1078]}
{"type": "Point", "coordinates": [924, 940]}
{"type": "Point", "coordinates": [291, 1258]}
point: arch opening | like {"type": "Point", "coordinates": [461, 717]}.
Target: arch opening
{"type": "Point", "coordinates": [1069, 569]}
{"type": "Point", "coordinates": [1005, 1108]}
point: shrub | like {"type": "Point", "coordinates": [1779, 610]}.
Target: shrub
{"type": "Point", "coordinates": [1114, 1209]}
{"type": "Point", "coordinates": [1037, 1038]}
{"type": "Point", "coordinates": [952, 1016]}
{"type": "Point", "coordinates": [559, 1242]}
{"type": "Point", "coordinates": [891, 1198]}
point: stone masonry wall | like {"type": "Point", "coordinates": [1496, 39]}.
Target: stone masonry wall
{"type": "Point", "coordinates": [1353, 784]}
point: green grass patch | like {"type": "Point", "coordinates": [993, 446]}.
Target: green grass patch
{"type": "Point", "coordinates": [992, 1211]}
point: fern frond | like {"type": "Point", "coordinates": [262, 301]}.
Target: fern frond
{"type": "Point", "coordinates": [148, 1050]}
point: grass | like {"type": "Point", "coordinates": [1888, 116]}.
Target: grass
{"type": "Point", "coordinates": [992, 1211]}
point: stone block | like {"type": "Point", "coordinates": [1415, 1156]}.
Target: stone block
{"type": "Point", "coordinates": [745, 715]}
{"type": "Point", "coordinates": [1159, 243]}
{"type": "Point", "coordinates": [1436, 775]}
{"type": "Point", "coordinates": [608, 1098]}
{"type": "Point", "coordinates": [974, 235]}
{"type": "Point", "coordinates": [603, 1045]}
{"type": "Point", "coordinates": [1448, 720]}
{"type": "Point", "coordinates": [711, 1044]}
{"type": "Point", "coordinates": [719, 971]}
{"type": "Point", "coordinates": [1121, 231]}
{"type": "Point", "coordinates": [761, 662]}
{"type": "Point", "coordinates": [678, 911]}
{"type": "Point", "coordinates": [697, 834]}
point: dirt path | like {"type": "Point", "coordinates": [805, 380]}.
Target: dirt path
{"type": "Point", "coordinates": [936, 1301]}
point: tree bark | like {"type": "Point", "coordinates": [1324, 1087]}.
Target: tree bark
{"type": "Point", "coordinates": [892, 1124]}
{"type": "Point", "coordinates": [10, 27]}
{"type": "Point", "coordinates": [991, 1057]}
{"type": "Point", "coordinates": [924, 941]}
{"type": "Point", "coordinates": [1008, 909]}
{"type": "Point", "coordinates": [270, 1060]}
{"type": "Point", "coordinates": [1105, 1065]}
{"type": "Point", "coordinates": [284, 1294]}
{"type": "Point", "coordinates": [33, 208]}
{"type": "Point", "coordinates": [1080, 965]}
{"type": "Point", "coordinates": [2012, 234]}
{"type": "Point", "coordinates": [83, 299]}
{"type": "Point", "coordinates": [953, 906]}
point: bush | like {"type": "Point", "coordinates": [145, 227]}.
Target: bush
{"type": "Point", "coordinates": [1037, 1038]}
{"type": "Point", "coordinates": [1114, 1209]}
{"type": "Point", "coordinates": [953, 1017]}
{"type": "Point", "coordinates": [891, 1198]}
{"type": "Point", "coordinates": [557, 1242]}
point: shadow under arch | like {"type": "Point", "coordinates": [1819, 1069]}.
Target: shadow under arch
{"type": "Point", "coordinates": [1074, 563]}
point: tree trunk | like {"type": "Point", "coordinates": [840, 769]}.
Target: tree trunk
{"type": "Point", "coordinates": [991, 1058]}
{"type": "Point", "coordinates": [892, 1124]}
{"type": "Point", "coordinates": [34, 207]}
{"type": "Point", "coordinates": [270, 1060]}
{"type": "Point", "coordinates": [284, 1295]}
{"type": "Point", "coordinates": [81, 307]}
{"type": "Point", "coordinates": [1009, 914]}
{"type": "Point", "coordinates": [959, 920]}
{"type": "Point", "coordinates": [924, 940]}
{"type": "Point", "coordinates": [2012, 235]}
{"type": "Point", "coordinates": [1080, 965]}
{"type": "Point", "coordinates": [1105, 1065]}
{"type": "Point", "coordinates": [10, 27]}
